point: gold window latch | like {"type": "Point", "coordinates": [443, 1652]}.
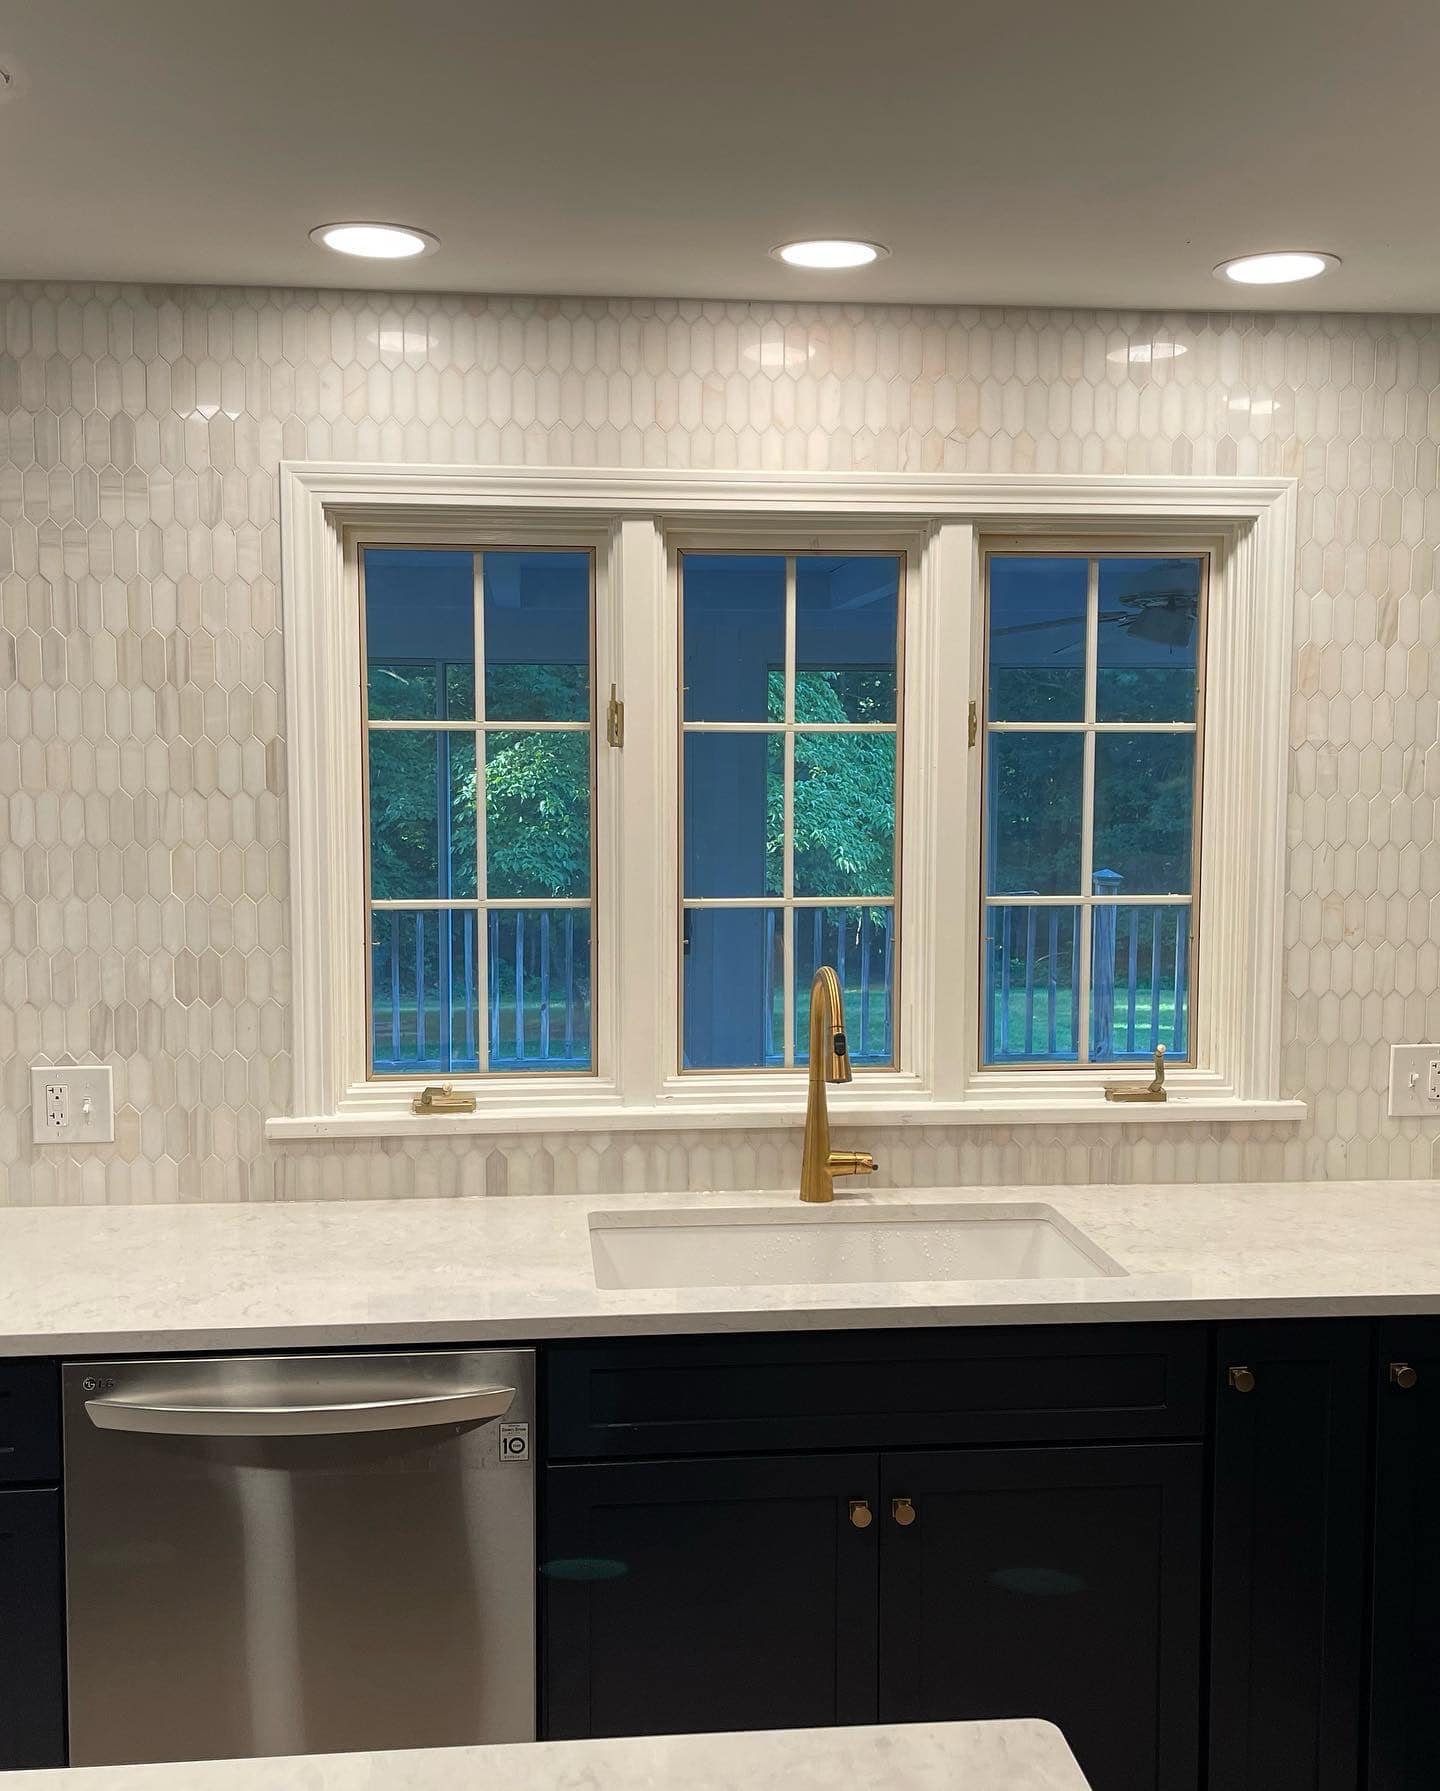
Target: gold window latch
{"type": "Point", "coordinates": [1135, 1091]}
{"type": "Point", "coordinates": [442, 1097]}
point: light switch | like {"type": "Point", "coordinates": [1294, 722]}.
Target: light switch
{"type": "Point", "coordinates": [1414, 1081]}
{"type": "Point", "coordinates": [72, 1103]}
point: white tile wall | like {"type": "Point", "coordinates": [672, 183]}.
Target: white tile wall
{"type": "Point", "coordinates": [143, 868]}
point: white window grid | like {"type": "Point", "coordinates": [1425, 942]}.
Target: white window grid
{"type": "Point", "coordinates": [786, 901]}
{"type": "Point", "coordinates": [479, 729]}
{"type": "Point", "coordinates": [1089, 726]}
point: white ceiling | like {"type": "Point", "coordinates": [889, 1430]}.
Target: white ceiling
{"type": "Point", "coordinates": [1072, 152]}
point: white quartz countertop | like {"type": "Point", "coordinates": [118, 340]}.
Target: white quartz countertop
{"type": "Point", "coordinates": [1022, 1755]}
{"type": "Point", "coordinates": [82, 1280]}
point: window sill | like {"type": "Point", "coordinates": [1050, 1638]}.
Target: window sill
{"type": "Point", "coordinates": [1079, 1108]}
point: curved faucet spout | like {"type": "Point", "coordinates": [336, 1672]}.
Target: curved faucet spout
{"type": "Point", "coordinates": [829, 1062]}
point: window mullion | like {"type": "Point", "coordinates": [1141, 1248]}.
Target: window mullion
{"type": "Point", "coordinates": [788, 772]}
{"type": "Point", "coordinates": [482, 913]}
{"type": "Point", "coordinates": [1087, 816]}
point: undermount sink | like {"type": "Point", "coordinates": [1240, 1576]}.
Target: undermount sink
{"type": "Point", "coordinates": [775, 1246]}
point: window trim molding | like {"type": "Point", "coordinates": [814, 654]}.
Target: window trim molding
{"type": "Point", "coordinates": [321, 503]}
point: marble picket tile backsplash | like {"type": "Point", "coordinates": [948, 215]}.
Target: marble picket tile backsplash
{"type": "Point", "coordinates": [143, 862]}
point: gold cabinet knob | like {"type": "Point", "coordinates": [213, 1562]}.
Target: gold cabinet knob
{"type": "Point", "coordinates": [860, 1514]}
{"type": "Point", "coordinates": [1403, 1376]}
{"type": "Point", "coordinates": [903, 1511]}
{"type": "Point", "coordinates": [1241, 1378]}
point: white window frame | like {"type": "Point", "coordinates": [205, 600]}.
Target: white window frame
{"type": "Point", "coordinates": [636, 520]}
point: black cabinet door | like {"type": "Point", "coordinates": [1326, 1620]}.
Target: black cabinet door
{"type": "Point", "coordinates": [1288, 1576]}
{"type": "Point", "coordinates": [32, 1657]}
{"type": "Point", "coordinates": [1405, 1660]}
{"type": "Point", "coordinates": [1058, 1583]}
{"type": "Point", "coordinates": [703, 1595]}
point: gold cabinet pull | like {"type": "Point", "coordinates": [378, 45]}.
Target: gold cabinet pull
{"type": "Point", "coordinates": [1403, 1376]}
{"type": "Point", "coordinates": [903, 1511]}
{"type": "Point", "coordinates": [1241, 1378]}
{"type": "Point", "coordinates": [860, 1514]}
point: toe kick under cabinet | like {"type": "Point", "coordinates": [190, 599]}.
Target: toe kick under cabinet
{"type": "Point", "coordinates": [794, 1531]}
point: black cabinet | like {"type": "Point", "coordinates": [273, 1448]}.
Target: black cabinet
{"type": "Point", "coordinates": [1060, 1583]}
{"type": "Point", "coordinates": [1291, 1488]}
{"type": "Point", "coordinates": [704, 1595]}
{"type": "Point", "coordinates": [32, 1658]}
{"type": "Point", "coordinates": [1058, 1575]}
{"type": "Point", "coordinates": [1405, 1640]}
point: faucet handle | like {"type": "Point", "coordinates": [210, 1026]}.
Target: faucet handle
{"type": "Point", "coordinates": [851, 1162]}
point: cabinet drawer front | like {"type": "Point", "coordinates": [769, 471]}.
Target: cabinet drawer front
{"type": "Point", "coordinates": [29, 1424]}
{"type": "Point", "coordinates": [848, 1390]}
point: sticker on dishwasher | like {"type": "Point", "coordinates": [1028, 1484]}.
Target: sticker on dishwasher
{"type": "Point", "coordinates": [514, 1442]}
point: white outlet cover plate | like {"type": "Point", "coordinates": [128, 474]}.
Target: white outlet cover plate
{"type": "Point", "coordinates": [82, 1082]}
{"type": "Point", "coordinates": [1415, 1101]}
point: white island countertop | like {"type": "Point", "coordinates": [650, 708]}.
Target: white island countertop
{"type": "Point", "coordinates": [1020, 1755]}
{"type": "Point", "coordinates": [83, 1280]}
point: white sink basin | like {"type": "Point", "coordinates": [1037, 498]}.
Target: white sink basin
{"type": "Point", "coordinates": [776, 1246]}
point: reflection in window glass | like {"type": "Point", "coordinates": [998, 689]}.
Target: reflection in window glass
{"type": "Point", "coordinates": [792, 669]}
{"type": "Point", "coordinates": [480, 937]}
{"type": "Point", "coordinates": [1091, 796]}
{"type": "Point", "coordinates": [1037, 638]}
{"type": "Point", "coordinates": [734, 630]}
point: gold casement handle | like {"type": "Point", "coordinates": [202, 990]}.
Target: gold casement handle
{"type": "Point", "coordinates": [1403, 1376]}
{"type": "Point", "coordinates": [1241, 1378]}
{"type": "Point", "coordinates": [903, 1511]}
{"type": "Point", "coordinates": [860, 1514]}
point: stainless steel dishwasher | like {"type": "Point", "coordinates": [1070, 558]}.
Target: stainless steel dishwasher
{"type": "Point", "coordinates": [299, 1554]}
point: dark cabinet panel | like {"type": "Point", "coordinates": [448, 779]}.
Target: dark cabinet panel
{"type": "Point", "coordinates": [875, 1390]}
{"type": "Point", "coordinates": [1059, 1583]}
{"type": "Point", "coordinates": [709, 1595]}
{"type": "Point", "coordinates": [1405, 1661]}
{"type": "Point", "coordinates": [29, 1423]}
{"type": "Point", "coordinates": [1291, 1472]}
{"type": "Point", "coordinates": [32, 1659]}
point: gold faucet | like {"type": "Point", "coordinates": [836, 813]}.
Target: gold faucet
{"type": "Point", "coordinates": [829, 1062]}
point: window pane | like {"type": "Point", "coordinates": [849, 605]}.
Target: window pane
{"type": "Point", "coordinates": [1033, 813]}
{"type": "Point", "coordinates": [844, 815]}
{"type": "Point", "coordinates": [424, 982]}
{"type": "Point", "coordinates": [846, 614]}
{"type": "Point", "coordinates": [419, 634]}
{"type": "Point", "coordinates": [856, 943]}
{"type": "Point", "coordinates": [422, 815]}
{"type": "Point", "coordinates": [734, 626]}
{"type": "Point", "coordinates": [1149, 627]}
{"type": "Point", "coordinates": [1030, 979]}
{"type": "Point", "coordinates": [1037, 638]}
{"type": "Point", "coordinates": [1144, 813]}
{"type": "Point", "coordinates": [539, 1000]}
{"type": "Point", "coordinates": [734, 988]}
{"type": "Point", "coordinates": [537, 814]}
{"type": "Point", "coordinates": [537, 636]}
{"type": "Point", "coordinates": [1141, 984]}
{"type": "Point", "coordinates": [734, 815]}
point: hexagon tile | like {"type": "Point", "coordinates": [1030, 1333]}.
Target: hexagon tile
{"type": "Point", "coordinates": [143, 870]}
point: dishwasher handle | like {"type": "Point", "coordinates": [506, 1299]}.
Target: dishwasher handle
{"type": "Point", "coordinates": [216, 1416]}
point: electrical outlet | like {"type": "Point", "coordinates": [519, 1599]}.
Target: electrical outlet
{"type": "Point", "coordinates": [1415, 1081]}
{"type": "Point", "coordinates": [72, 1103]}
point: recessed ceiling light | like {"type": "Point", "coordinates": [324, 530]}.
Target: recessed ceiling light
{"type": "Point", "coordinates": [1144, 354]}
{"type": "Point", "coordinates": [378, 242]}
{"type": "Point", "coordinates": [829, 251]}
{"type": "Point", "coordinates": [1279, 268]}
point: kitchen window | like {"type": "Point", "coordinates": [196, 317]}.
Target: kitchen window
{"type": "Point", "coordinates": [790, 747]}
{"type": "Point", "coordinates": [479, 752]}
{"type": "Point", "coordinates": [589, 771]}
{"type": "Point", "coordinates": [1092, 744]}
